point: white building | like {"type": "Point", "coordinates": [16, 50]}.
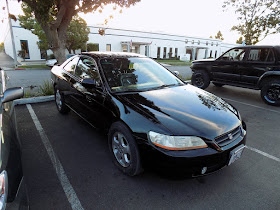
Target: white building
{"type": "Point", "coordinates": [155, 45]}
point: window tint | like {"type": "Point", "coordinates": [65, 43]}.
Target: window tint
{"type": "Point", "coordinates": [236, 54]}
{"type": "Point", "coordinates": [86, 69]}
{"type": "Point", "coordinates": [136, 74]}
{"type": "Point", "coordinates": [70, 67]}
{"type": "Point", "coordinates": [261, 55]}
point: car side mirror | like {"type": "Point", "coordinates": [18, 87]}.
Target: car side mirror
{"type": "Point", "coordinates": [11, 94]}
{"type": "Point", "coordinates": [89, 83]}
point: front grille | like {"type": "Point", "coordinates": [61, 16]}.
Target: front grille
{"type": "Point", "coordinates": [228, 137]}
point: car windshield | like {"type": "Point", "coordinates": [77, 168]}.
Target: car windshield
{"type": "Point", "coordinates": [136, 74]}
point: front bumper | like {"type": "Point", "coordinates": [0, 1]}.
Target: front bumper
{"type": "Point", "coordinates": [195, 162]}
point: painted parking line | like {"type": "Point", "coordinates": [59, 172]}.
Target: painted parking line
{"type": "Point", "coordinates": [263, 153]}
{"type": "Point", "coordinates": [259, 107]}
{"type": "Point", "coordinates": [64, 181]}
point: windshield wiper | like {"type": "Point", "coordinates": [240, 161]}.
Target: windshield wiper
{"type": "Point", "coordinates": [164, 86]}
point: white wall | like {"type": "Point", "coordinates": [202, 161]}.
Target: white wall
{"type": "Point", "coordinates": [116, 36]}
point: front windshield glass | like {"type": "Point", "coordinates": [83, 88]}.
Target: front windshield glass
{"type": "Point", "coordinates": [136, 74]}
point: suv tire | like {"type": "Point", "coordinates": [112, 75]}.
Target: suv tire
{"type": "Point", "coordinates": [270, 92]}
{"type": "Point", "coordinates": [200, 79]}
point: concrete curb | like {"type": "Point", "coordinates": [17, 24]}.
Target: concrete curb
{"type": "Point", "coordinates": [32, 100]}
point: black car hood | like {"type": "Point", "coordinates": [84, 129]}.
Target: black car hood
{"type": "Point", "coordinates": [185, 110]}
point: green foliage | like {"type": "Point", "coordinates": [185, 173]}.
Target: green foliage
{"type": "Point", "coordinates": [1, 46]}
{"type": "Point", "coordinates": [240, 40]}
{"type": "Point", "coordinates": [46, 89]}
{"type": "Point", "coordinates": [54, 17]}
{"type": "Point", "coordinates": [77, 32]}
{"type": "Point", "coordinates": [219, 36]}
{"type": "Point", "coordinates": [92, 47]}
{"type": "Point", "coordinates": [257, 18]}
{"type": "Point", "coordinates": [51, 56]}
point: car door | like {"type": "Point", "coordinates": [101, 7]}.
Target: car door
{"type": "Point", "coordinates": [65, 83]}
{"type": "Point", "coordinates": [258, 61]}
{"type": "Point", "coordinates": [88, 91]}
{"type": "Point", "coordinates": [226, 67]}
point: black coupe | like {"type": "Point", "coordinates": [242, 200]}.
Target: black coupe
{"type": "Point", "coordinates": [149, 113]}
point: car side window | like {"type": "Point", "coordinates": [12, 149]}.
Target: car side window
{"type": "Point", "coordinates": [236, 54]}
{"type": "Point", "coordinates": [261, 55]}
{"type": "Point", "coordinates": [86, 69]}
{"type": "Point", "coordinates": [70, 67]}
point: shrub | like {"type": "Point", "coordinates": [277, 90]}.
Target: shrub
{"type": "Point", "coordinates": [46, 89]}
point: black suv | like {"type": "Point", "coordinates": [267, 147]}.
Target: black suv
{"type": "Point", "coordinates": [255, 67]}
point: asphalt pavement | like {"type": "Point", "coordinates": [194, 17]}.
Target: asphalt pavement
{"type": "Point", "coordinates": [75, 170]}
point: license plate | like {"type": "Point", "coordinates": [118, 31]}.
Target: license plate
{"type": "Point", "coordinates": [236, 154]}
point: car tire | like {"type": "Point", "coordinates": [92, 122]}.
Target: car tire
{"type": "Point", "coordinates": [200, 79]}
{"type": "Point", "coordinates": [218, 84]}
{"type": "Point", "coordinates": [60, 102]}
{"type": "Point", "coordinates": [270, 92]}
{"type": "Point", "coordinates": [124, 149]}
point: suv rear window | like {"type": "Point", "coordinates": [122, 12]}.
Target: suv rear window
{"type": "Point", "coordinates": [278, 53]}
{"type": "Point", "coordinates": [261, 55]}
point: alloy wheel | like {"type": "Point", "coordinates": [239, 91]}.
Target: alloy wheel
{"type": "Point", "coordinates": [199, 80]}
{"type": "Point", "coordinates": [273, 93]}
{"type": "Point", "coordinates": [58, 99]}
{"type": "Point", "coordinates": [121, 149]}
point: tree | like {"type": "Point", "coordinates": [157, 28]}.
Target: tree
{"type": "Point", "coordinates": [219, 36]}
{"type": "Point", "coordinates": [258, 18]}
{"type": "Point", "coordinates": [54, 17]}
{"type": "Point", "coordinates": [240, 40]}
{"type": "Point", "coordinates": [1, 46]}
{"type": "Point", "coordinates": [77, 32]}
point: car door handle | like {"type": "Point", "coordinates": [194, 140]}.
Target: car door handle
{"type": "Point", "coordinates": [268, 68]}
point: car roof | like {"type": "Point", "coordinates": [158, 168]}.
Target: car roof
{"type": "Point", "coordinates": [112, 54]}
{"type": "Point", "coordinates": [258, 46]}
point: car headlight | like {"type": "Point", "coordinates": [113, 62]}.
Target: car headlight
{"type": "Point", "coordinates": [3, 189]}
{"type": "Point", "coordinates": [176, 142]}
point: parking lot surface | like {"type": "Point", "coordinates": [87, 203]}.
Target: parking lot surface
{"type": "Point", "coordinates": [67, 165]}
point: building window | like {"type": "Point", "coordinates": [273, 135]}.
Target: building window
{"type": "Point", "coordinates": [158, 52]}
{"type": "Point", "coordinates": [211, 43]}
{"type": "Point", "coordinates": [217, 44]}
{"type": "Point", "coordinates": [108, 47]}
{"type": "Point", "coordinates": [186, 41]}
{"type": "Point", "coordinates": [192, 41]}
{"type": "Point", "coordinates": [164, 52]}
{"type": "Point", "coordinates": [198, 42]}
{"type": "Point", "coordinates": [170, 53]}
{"type": "Point", "coordinates": [147, 50]}
{"type": "Point", "coordinates": [24, 49]}
{"type": "Point", "coordinates": [176, 52]}
{"type": "Point", "coordinates": [216, 54]}
{"type": "Point", "coordinates": [92, 47]}
{"type": "Point", "coordinates": [206, 42]}
{"type": "Point", "coordinates": [210, 54]}
{"type": "Point", "coordinates": [124, 47]}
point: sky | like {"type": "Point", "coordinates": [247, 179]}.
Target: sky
{"type": "Point", "coordinates": [199, 18]}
